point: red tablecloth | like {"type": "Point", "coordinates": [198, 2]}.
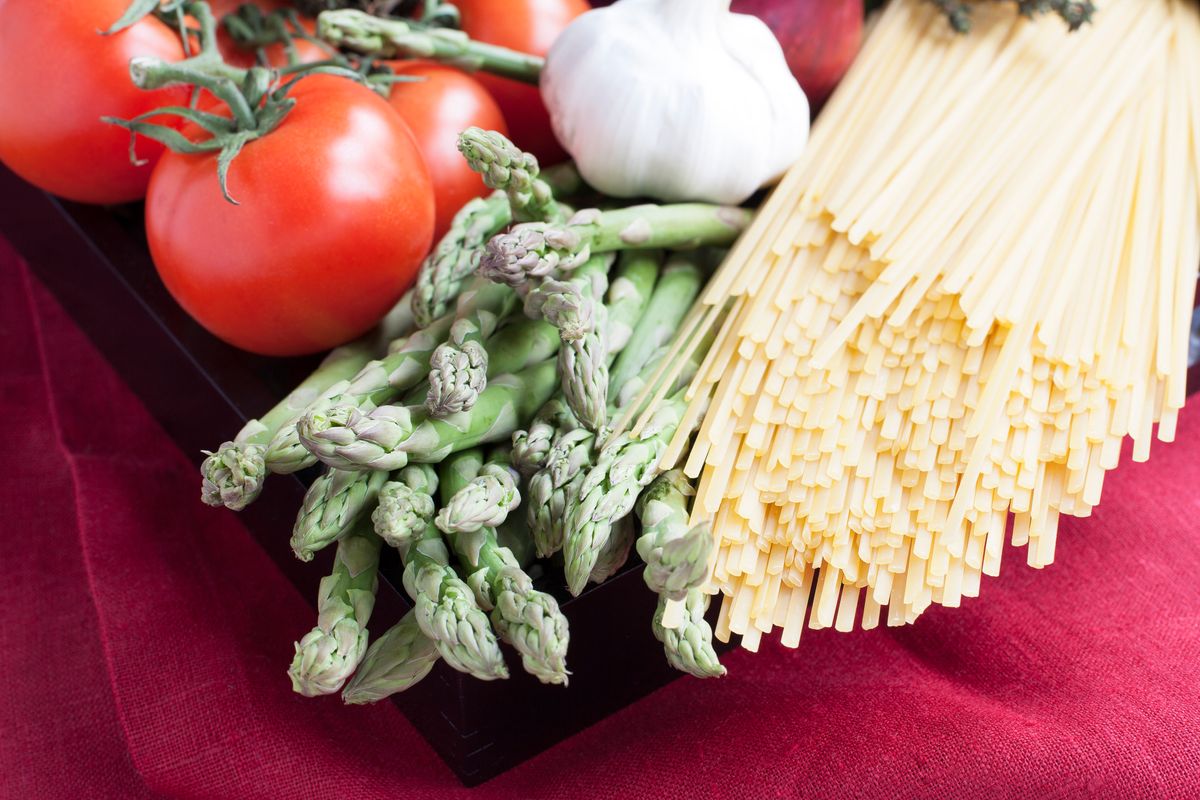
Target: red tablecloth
{"type": "Point", "coordinates": [145, 640]}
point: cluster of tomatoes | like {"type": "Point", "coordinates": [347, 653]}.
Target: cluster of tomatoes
{"type": "Point", "coordinates": [336, 207]}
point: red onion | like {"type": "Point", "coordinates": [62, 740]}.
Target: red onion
{"type": "Point", "coordinates": [819, 37]}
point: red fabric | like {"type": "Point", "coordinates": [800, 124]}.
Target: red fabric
{"type": "Point", "coordinates": [146, 637]}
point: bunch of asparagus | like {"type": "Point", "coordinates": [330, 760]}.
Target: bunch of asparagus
{"type": "Point", "coordinates": [491, 387]}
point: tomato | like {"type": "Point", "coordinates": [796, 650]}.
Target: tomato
{"type": "Point", "coordinates": [336, 212]}
{"type": "Point", "coordinates": [58, 76]}
{"type": "Point", "coordinates": [440, 105]}
{"type": "Point", "coordinates": [530, 26]}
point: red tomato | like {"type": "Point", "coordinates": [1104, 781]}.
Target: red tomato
{"type": "Point", "coordinates": [439, 106]}
{"type": "Point", "coordinates": [58, 76]}
{"type": "Point", "coordinates": [335, 215]}
{"type": "Point", "coordinates": [530, 26]}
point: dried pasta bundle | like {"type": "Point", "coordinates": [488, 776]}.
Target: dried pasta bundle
{"type": "Point", "coordinates": [974, 286]}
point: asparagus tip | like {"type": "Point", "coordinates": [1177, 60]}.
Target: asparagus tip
{"type": "Point", "coordinates": [579, 563]}
{"type": "Point", "coordinates": [679, 565]}
{"type": "Point", "coordinates": [324, 660]}
{"type": "Point", "coordinates": [233, 475]}
{"type": "Point", "coordinates": [359, 697]}
{"type": "Point", "coordinates": [301, 551]}
{"type": "Point", "coordinates": [495, 157]}
{"type": "Point", "coordinates": [457, 376]}
{"type": "Point", "coordinates": [689, 647]}
{"type": "Point", "coordinates": [401, 514]}
{"type": "Point", "coordinates": [535, 625]}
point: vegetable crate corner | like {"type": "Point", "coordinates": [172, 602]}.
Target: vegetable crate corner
{"type": "Point", "coordinates": [95, 262]}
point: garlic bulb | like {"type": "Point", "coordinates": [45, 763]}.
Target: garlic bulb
{"type": "Point", "coordinates": [674, 99]}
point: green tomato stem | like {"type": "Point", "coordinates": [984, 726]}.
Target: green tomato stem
{"type": "Point", "coordinates": [222, 80]}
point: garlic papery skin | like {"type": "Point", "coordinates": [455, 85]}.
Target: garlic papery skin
{"type": "Point", "coordinates": [675, 100]}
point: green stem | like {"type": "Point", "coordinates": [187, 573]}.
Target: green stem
{"type": "Point", "coordinates": [676, 554]}
{"type": "Point", "coordinates": [257, 98]}
{"type": "Point", "coordinates": [392, 38]}
{"type": "Point", "coordinates": [538, 250]}
{"type": "Point", "coordinates": [233, 475]}
{"type": "Point", "coordinates": [457, 255]}
{"type": "Point", "coordinates": [392, 436]}
{"type": "Point", "coordinates": [528, 619]}
{"type": "Point", "coordinates": [689, 647]}
{"type": "Point", "coordinates": [150, 73]}
{"type": "Point", "coordinates": [674, 226]}
{"type": "Point", "coordinates": [505, 167]}
{"type": "Point", "coordinates": [394, 662]}
{"type": "Point", "coordinates": [629, 294]}
{"type": "Point", "coordinates": [673, 295]}
{"type": "Point", "coordinates": [327, 656]}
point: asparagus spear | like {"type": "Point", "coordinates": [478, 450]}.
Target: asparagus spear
{"type": "Point", "coordinates": [626, 464]}
{"type": "Point", "coordinates": [531, 448]}
{"type": "Point", "coordinates": [572, 307]}
{"type": "Point", "coordinates": [406, 507]}
{"type": "Point", "coordinates": [585, 355]}
{"type": "Point", "coordinates": [332, 505]}
{"type": "Point", "coordinates": [233, 475]}
{"type": "Point", "coordinates": [331, 651]}
{"type": "Point", "coordinates": [390, 436]}
{"type": "Point", "coordinates": [457, 374]}
{"type": "Point", "coordinates": [569, 305]}
{"type": "Point", "coordinates": [583, 367]}
{"type": "Point", "coordinates": [513, 348]}
{"type": "Point", "coordinates": [610, 488]}
{"type": "Point", "coordinates": [615, 552]}
{"type": "Point", "coordinates": [398, 38]}
{"type": "Point", "coordinates": [445, 606]}
{"type": "Point", "coordinates": [458, 367]}
{"type": "Point", "coordinates": [394, 662]}
{"type": "Point", "coordinates": [485, 502]}
{"type": "Point", "coordinates": [526, 618]}
{"type": "Point", "coordinates": [689, 646]}
{"type": "Point", "coordinates": [675, 553]}
{"type": "Point", "coordinates": [557, 457]}
{"type": "Point", "coordinates": [457, 256]}
{"type": "Point", "coordinates": [376, 383]}
{"type": "Point", "coordinates": [505, 167]}
{"type": "Point", "coordinates": [554, 487]}
{"type": "Point", "coordinates": [676, 290]}
{"type": "Point", "coordinates": [539, 250]}
{"type": "Point", "coordinates": [629, 295]}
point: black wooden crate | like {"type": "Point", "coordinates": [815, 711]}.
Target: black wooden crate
{"type": "Point", "coordinates": [200, 390]}
{"type": "Point", "coordinates": [96, 262]}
